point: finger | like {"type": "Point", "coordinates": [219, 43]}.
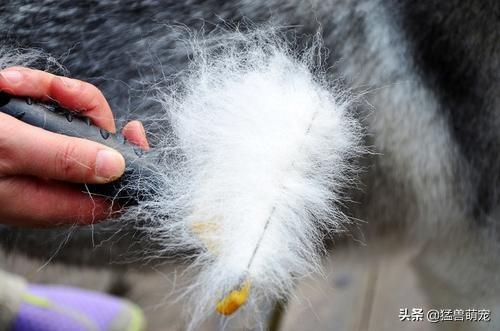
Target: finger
{"type": "Point", "coordinates": [29, 201]}
{"type": "Point", "coordinates": [135, 133]}
{"type": "Point", "coordinates": [70, 93]}
{"type": "Point", "coordinates": [28, 150]}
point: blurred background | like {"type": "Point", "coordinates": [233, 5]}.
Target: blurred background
{"type": "Point", "coordinates": [364, 288]}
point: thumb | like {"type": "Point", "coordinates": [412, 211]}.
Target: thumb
{"type": "Point", "coordinates": [28, 150]}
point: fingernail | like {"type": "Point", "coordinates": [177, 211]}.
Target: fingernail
{"type": "Point", "coordinates": [146, 143]}
{"type": "Point", "coordinates": [68, 82]}
{"type": "Point", "coordinates": [12, 76]}
{"type": "Point", "coordinates": [143, 131]}
{"type": "Point", "coordinates": [109, 166]}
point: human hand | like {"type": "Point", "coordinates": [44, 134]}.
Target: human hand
{"type": "Point", "coordinates": [38, 167]}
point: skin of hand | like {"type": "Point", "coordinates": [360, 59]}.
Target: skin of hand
{"type": "Point", "coordinates": [39, 169]}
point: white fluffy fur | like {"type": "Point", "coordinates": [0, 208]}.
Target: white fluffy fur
{"type": "Point", "coordinates": [260, 148]}
{"type": "Point", "coordinates": [10, 56]}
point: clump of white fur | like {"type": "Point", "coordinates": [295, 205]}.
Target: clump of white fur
{"type": "Point", "coordinates": [28, 57]}
{"type": "Point", "coordinates": [258, 154]}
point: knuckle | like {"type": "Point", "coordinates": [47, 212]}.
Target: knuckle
{"type": "Point", "coordinates": [94, 96]}
{"type": "Point", "coordinates": [7, 156]}
{"type": "Point", "coordinates": [93, 89]}
{"type": "Point", "coordinates": [66, 161]}
{"type": "Point", "coordinates": [7, 187]}
{"type": "Point", "coordinates": [6, 167]}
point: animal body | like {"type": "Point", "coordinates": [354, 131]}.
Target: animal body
{"type": "Point", "coordinates": [427, 75]}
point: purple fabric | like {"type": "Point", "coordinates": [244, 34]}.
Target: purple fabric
{"type": "Point", "coordinates": [99, 308]}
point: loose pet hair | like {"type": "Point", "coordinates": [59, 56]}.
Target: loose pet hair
{"type": "Point", "coordinates": [284, 124]}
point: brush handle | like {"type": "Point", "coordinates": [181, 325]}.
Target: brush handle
{"type": "Point", "coordinates": [56, 119]}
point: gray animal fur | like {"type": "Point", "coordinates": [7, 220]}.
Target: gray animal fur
{"type": "Point", "coordinates": [431, 111]}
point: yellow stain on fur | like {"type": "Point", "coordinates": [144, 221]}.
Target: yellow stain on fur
{"type": "Point", "coordinates": [234, 300]}
{"type": "Point", "coordinates": [205, 231]}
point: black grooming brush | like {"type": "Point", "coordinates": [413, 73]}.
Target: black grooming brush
{"type": "Point", "coordinates": [140, 165]}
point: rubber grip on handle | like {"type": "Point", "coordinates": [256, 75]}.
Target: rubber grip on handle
{"type": "Point", "coordinates": [139, 164]}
